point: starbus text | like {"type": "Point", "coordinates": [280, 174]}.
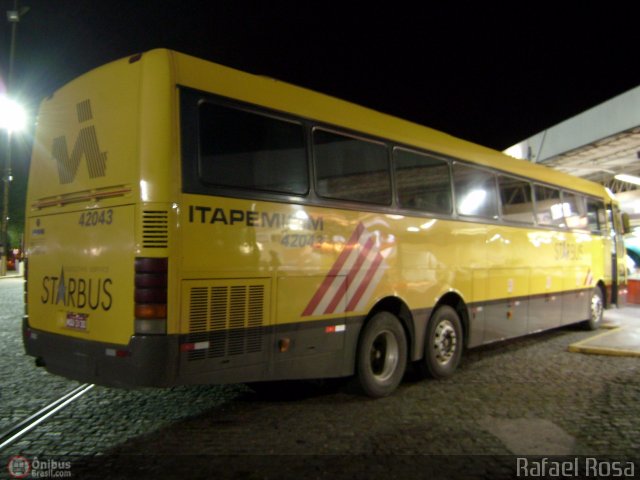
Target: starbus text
{"type": "Point", "coordinates": [93, 293]}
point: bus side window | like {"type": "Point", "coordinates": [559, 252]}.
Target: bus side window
{"type": "Point", "coordinates": [252, 151]}
{"type": "Point", "coordinates": [423, 182]}
{"type": "Point", "coordinates": [548, 206]}
{"type": "Point", "coordinates": [596, 216]}
{"type": "Point", "coordinates": [575, 210]}
{"type": "Point", "coordinates": [475, 191]}
{"type": "Point", "coordinates": [516, 199]}
{"type": "Point", "coordinates": [349, 168]}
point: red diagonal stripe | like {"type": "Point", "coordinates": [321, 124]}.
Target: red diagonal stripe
{"type": "Point", "coordinates": [352, 273]}
{"type": "Point", "coordinates": [342, 289]}
{"type": "Point", "coordinates": [353, 240]}
{"type": "Point", "coordinates": [365, 283]}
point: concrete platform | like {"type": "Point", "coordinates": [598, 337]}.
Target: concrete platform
{"type": "Point", "coordinates": [622, 335]}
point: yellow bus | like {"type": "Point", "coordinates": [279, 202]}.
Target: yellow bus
{"type": "Point", "coordinates": [191, 223]}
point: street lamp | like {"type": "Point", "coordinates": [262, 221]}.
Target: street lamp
{"type": "Point", "coordinates": [12, 118]}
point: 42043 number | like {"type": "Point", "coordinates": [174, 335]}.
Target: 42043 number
{"type": "Point", "coordinates": [297, 240]}
{"type": "Point", "coordinates": [95, 218]}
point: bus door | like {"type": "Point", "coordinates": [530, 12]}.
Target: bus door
{"type": "Point", "coordinates": [618, 272]}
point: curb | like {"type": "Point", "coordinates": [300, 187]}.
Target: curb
{"type": "Point", "coordinates": [17, 275]}
{"type": "Point", "coordinates": [583, 347]}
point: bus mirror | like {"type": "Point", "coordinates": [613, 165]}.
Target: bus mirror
{"type": "Point", "coordinates": [626, 223]}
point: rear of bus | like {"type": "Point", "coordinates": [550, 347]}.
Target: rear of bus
{"type": "Point", "coordinates": [98, 214]}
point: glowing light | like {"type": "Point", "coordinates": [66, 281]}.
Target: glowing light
{"type": "Point", "coordinates": [299, 220]}
{"type": "Point", "coordinates": [245, 248]}
{"type": "Point", "coordinates": [144, 190]}
{"type": "Point", "coordinates": [12, 116]}
{"type": "Point", "coordinates": [428, 225]}
{"type": "Point", "coordinates": [472, 202]}
{"type": "Point", "coordinates": [628, 178]}
{"type": "Point", "coordinates": [558, 210]}
{"type": "Point", "coordinates": [516, 151]}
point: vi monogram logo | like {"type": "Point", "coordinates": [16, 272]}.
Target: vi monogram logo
{"type": "Point", "coordinates": [86, 145]}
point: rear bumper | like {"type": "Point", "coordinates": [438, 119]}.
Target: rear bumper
{"type": "Point", "coordinates": [146, 361]}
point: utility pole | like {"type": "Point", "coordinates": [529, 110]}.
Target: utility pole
{"type": "Point", "coordinates": [13, 17]}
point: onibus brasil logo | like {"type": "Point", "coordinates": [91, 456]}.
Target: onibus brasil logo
{"type": "Point", "coordinates": [21, 467]}
{"type": "Point", "coordinates": [18, 466]}
{"type": "Point", "coordinates": [86, 146]}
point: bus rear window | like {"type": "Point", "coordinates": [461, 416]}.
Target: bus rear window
{"type": "Point", "coordinates": [242, 149]}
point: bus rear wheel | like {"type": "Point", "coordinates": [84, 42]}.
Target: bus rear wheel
{"type": "Point", "coordinates": [596, 310]}
{"type": "Point", "coordinates": [382, 355]}
{"type": "Point", "coordinates": [443, 343]}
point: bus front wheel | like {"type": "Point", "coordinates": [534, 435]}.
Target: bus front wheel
{"type": "Point", "coordinates": [382, 355]}
{"type": "Point", "coordinates": [443, 343]}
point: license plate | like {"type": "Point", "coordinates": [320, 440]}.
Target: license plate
{"type": "Point", "coordinates": [77, 321]}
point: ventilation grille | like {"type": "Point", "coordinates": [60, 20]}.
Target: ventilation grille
{"type": "Point", "coordinates": [230, 318]}
{"type": "Point", "coordinates": [155, 229]}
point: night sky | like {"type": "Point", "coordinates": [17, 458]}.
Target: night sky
{"type": "Point", "coordinates": [477, 70]}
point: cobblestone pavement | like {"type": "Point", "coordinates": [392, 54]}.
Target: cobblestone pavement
{"type": "Point", "coordinates": [524, 397]}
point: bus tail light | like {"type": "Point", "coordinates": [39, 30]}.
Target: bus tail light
{"type": "Point", "coordinates": [151, 296]}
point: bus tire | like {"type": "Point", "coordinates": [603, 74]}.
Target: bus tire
{"type": "Point", "coordinates": [381, 358]}
{"type": "Point", "coordinates": [443, 344]}
{"type": "Point", "coordinates": [596, 310]}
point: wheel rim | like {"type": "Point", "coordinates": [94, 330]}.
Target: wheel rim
{"type": "Point", "coordinates": [596, 309]}
{"type": "Point", "coordinates": [445, 342]}
{"type": "Point", "coordinates": [384, 355]}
